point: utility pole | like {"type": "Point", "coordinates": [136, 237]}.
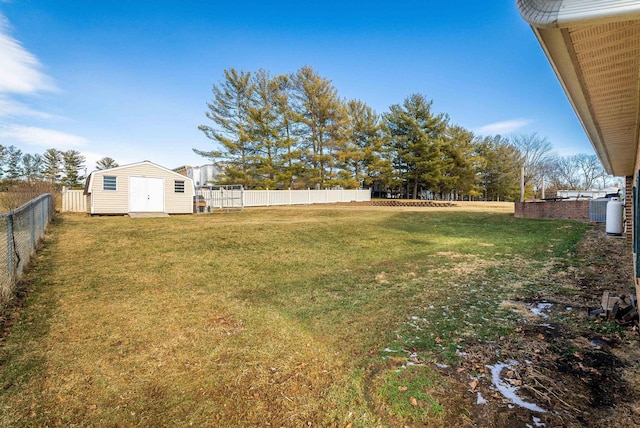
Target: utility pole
{"type": "Point", "coordinates": [522, 184]}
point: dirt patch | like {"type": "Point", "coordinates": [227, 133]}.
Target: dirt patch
{"type": "Point", "coordinates": [567, 368]}
{"type": "Point", "coordinates": [560, 367]}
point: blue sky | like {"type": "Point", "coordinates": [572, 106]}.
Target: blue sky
{"type": "Point", "coordinates": [131, 80]}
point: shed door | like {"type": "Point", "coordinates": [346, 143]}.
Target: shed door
{"type": "Point", "coordinates": [146, 194]}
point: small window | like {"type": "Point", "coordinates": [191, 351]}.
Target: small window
{"type": "Point", "coordinates": [109, 182]}
{"type": "Point", "coordinates": [178, 186]}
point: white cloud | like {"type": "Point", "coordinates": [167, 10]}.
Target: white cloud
{"type": "Point", "coordinates": [19, 69]}
{"type": "Point", "coordinates": [90, 160]}
{"type": "Point", "coordinates": [41, 137]}
{"type": "Point", "coordinates": [12, 108]}
{"type": "Point", "coordinates": [502, 128]}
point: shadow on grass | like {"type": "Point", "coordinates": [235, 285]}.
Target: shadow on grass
{"type": "Point", "coordinates": [458, 264]}
{"type": "Point", "coordinates": [487, 233]}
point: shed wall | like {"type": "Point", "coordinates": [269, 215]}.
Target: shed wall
{"type": "Point", "coordinates": [117, 201]}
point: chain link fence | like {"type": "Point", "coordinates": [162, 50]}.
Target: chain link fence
{"type": "Point", "coordinates": [20, 231]}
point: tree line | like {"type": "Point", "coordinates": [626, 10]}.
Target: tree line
{"type": "Point", "coordinates": [294, 131]}
{"type": "Point", "coordinates": [55, 167]}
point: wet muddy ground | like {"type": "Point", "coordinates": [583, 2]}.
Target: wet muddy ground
{"type": "Point", "coordinates": [563, 367]}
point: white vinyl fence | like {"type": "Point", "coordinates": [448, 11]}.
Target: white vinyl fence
{"type": "Point", "coordinates": [227, 198]}
{"type": "Point", "coordinates": [234, 197]}
{"type": "Point", "coordinates": [74, 201]}
{"type": "Point", "coordinates": [266, 198]}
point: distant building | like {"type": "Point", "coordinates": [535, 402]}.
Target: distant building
{"type": "Point", "coordinates": [587, 194]}
{"type": "Point", "coordinates": [201, 175]}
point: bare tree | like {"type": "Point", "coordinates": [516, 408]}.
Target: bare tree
{"type": "Point", "coordinates": [589, 168]}
{"type": "Point", "coordinates": [564, 174]}
{"type": "Point", "coordinates": [536, 157]}
{"type": "Point", "coordinates": [578, 172]}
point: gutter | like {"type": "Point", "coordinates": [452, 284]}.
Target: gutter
{"type": "Point", "coordinates": [563, 13]}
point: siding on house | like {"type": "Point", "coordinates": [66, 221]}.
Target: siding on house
{"type": "Point", "coordinates": [117, 201]}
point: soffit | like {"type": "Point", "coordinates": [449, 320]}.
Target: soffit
{"type": "Point", "coordinates": [595, 53]}
{"type": "Point", "coordinates": [607, 59]}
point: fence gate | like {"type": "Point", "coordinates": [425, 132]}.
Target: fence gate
{"type": "Point", "coordinates": [229, 197]}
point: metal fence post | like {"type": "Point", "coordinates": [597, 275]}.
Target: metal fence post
{"type": "Point", "coordinates": [43, 216]}
{"type": "Point", "coordinates": [32, 223]}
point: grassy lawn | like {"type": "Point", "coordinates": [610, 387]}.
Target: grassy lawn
{"type": "Point", "coordinates": [273, 317]}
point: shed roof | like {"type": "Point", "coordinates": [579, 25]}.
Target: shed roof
{"type": "Point", "coordinates": [89, 181]}
{"type": "Point", "coordinates": [594, 49]}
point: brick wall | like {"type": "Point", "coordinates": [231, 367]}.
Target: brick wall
{"type": "Point", "coordinates": [570, 210]}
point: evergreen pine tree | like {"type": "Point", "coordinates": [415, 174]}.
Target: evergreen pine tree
{"type": "Point", "coordinates": [73, 164]}
{"type": "Point", "coordinates": [417, 137]}
{"type": "Point", "coordinates": [228, 110]}
{"type": "Point", "coordinates": [106, 163]}
{"type": "Point", "coordinates": [52, 165]}
{"type": "Point", "coordinates": [13, 165]}
{"type": "Point", "coordinates": [323, 119]}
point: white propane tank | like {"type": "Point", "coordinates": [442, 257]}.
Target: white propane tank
{"type": "Point", "coordinates": [615, 211]}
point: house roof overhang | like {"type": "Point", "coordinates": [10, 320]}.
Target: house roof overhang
{"type": "Point", "coordinates": [594, 48]}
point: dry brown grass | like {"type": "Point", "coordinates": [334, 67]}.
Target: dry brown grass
{"type": "Point", "coordinates": [19, 192]}
{"type": "Point", "coordinates": [269, 317]}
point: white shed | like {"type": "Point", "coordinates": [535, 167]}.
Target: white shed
{"type": "Point", "coordinates": [142, 187]}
